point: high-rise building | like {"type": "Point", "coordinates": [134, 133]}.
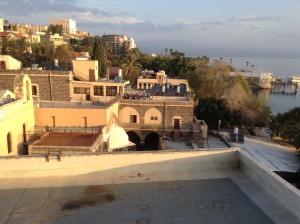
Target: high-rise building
{"type": "Point", "coordinates": [118, 42]}
{"type": "Point", "coordinates": [1, 24]}
{"type": "Point", "coordinates": [69, 25]}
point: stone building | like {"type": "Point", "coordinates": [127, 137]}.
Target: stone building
{"type": "Point", "coordinates": [149, 80]}
{"type": "Point", "coordinates": [46, 85]}
{"type": "Point", "coordinates": [145, 120]}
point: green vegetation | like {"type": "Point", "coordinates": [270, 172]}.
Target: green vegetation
{"type": "Point", "coordinates": [131, 67]}
{"type": "Point", "coordinates": [287, 126]}
{"type": "Point", "coordinates": [99, 55]}
{"type": "Point", "coordinates": [220, 96]}
{"type": "Point", "coordinates": [175, 64]}
{"type": "Point", "coordinates": [52, 29]}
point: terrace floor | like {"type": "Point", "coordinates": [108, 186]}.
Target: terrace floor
{"type": "Point", "coordinates": [226, 197]}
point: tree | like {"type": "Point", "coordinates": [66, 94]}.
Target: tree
{"type": "Point", "coordinates": [99, 55]}
{"type": "Point", "coordinates": [211, 110]}
{"type": "Point", "coordinates": [43, 53]}
{"type": "Point", "coordinates": [52, 29]}
{"type": "Point", "coordinates": [131, 66]}
{"type": "Point", "coordinates": [240, 99]}
{"type": "Point", "coordinates": [287, 125]}
{"type": "Point", "coordinates": [18, 49]}
{"type": "Point", "coordinates": [209, 80]}
{"type": "Point", "coordinates": [64, 55]}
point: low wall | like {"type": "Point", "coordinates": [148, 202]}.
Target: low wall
{"type": "Point", "coordinates": [94, 168]}
{"type": "Point", "coordinates": [280, 189]}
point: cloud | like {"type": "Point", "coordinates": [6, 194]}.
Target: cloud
{"type": "Point", "coordinates": [62, 9]}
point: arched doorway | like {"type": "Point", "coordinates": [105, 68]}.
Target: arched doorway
{"type": "Point", "coordinates": [133, 137]}
{"type": "Point", "coordinates": [152, 141]}
{"type": "Point", "coordinates": [9, 144]}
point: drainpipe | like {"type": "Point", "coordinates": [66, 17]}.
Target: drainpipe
{"type": "Point", "coordinates": [165, 112]}
{"type": "Point", "coordinates": [50, 85]}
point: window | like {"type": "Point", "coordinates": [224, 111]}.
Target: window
{"type": "Point", "coordinates": [111, 90]}
{"type": "Point", "coordinates": [154, 118]}
{"type": "Point", "coordinates": [9, 145]}
{"type": "Point", "coordinates": [98, 91]}
{"type": "Point", "coordinates": [78, 90]}
{"type": "Point", "coordinates": [34, 90]}
{"type": "Point", "coordinates": [133, 119]}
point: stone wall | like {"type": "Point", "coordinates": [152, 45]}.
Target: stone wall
{"type": "Point", "coordinates": [53, 85]}
{"type": "Point", "coordinates": [168, 109]}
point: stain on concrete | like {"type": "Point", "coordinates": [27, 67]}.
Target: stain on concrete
{"type": "Point", "coordinates": [143, 221]}
{"type": "Point", "coordinates": [169, 186]}
{"type": "Point", "coordinates": [98, 195]}
{"type": "Point", "coordinates": [143, 207]}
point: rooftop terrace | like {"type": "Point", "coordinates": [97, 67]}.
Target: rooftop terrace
{"type": "Point", "coordinates": [215, 186]}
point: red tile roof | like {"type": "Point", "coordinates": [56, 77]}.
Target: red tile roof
{"type": "Point", "coordinates": [79, 55]}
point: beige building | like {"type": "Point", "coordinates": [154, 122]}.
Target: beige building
{"type": "Point", "coordinates": [16, 117]}
{"type": "Point", "coordinates": [74, 114]}
{"type": "Point", "coordinates": [97, 91]}
{"type": "Point", "coordinates": [56, 39]}
{"type": "Point", "coordinates": [69, 25]}
{"type": "Point", "coordinates": [9, 63]}
{"type": "Point", "coordinates": [84, 69]}
{"type": "Point", "coordinates": [117, 42]}
{"type": "Point", "coordinates": [34, 38]}
{"type": "Point", "coordinates": [149, 79]}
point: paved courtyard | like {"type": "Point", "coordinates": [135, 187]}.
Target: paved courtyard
{"type": "Point", "coordinates": [194, 201]}
{"type": "Point", "coordinates": [274, 156]}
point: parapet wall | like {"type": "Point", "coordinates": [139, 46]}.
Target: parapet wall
{"type": "Point", "coordinates": [113, 167]}
{"type": "Point", "coordinates": [280, 189]}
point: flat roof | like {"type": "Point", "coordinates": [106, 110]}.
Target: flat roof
{"type": "Point", "coordinates": [226, 196]}
{"type": "Point", "coordinates": [66, 139]}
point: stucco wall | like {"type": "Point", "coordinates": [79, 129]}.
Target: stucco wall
{"type": "Point", "coordinates": [12, 118]}
{"type": "Point", "coordinates": [70, 116]}
{"type": "Point", "coordinates": [109, 167]}
{"type": "Point", "coordinates": [82, 68]}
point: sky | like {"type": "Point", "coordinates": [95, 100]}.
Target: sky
{"type": "Point", "coordinates": [216, 28]}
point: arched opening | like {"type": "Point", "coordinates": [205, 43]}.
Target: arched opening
{"type": "Point", "coordinates": [145, 86]}
{"type": "Point", "coordinates": [140, 86]}
{"type": "Point", "coordinates": [27, 91]}
{"type": "Point", "coordinates": [135, 138]}
{"type": "Point", "coordinates": [9, 143]}
{"type": "Point", "coordinates": [152, 141]}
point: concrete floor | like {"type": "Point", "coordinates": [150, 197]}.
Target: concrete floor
{"type": "Point", "coordinates": [226, 196]}
{"type": "Point", "coordinates": [274, 156]}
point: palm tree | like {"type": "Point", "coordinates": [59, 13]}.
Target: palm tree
{"type": "Point", "coordinates": [252, 66]}
{"type": "Point", "coordinates": [131, 66]}
{"type": "Point", "coordinates": [247, 63]}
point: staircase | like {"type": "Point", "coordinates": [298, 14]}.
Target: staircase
{"type": "Point", "coordinates": [197, 135]}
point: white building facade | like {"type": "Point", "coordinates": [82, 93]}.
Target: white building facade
{"type": "Point", "coordinates": [69, 25]}
{"type": "Point", "coordinates": [1, 24]}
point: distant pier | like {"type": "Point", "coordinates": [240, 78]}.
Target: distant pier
{"type": "Point", "coordinates": [284, 87]}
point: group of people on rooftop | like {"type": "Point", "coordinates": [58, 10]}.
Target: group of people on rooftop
{"type": "Point", "coordinates": [138, 96]}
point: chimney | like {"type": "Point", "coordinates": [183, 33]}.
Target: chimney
{"type": "Point", "coordinates": [120, 73]}
{"type": "Point", "coordinates": [107, 73]}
